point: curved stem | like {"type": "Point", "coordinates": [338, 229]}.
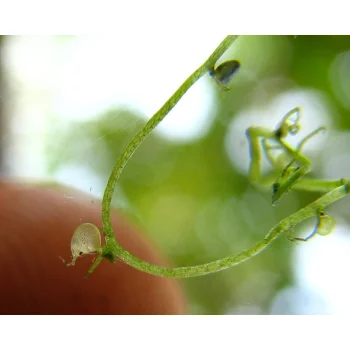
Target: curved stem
{"type": "Point", "coordinates": [150, 125]}
{"type": "Point", "coordinates": [284, 226]}
{"type": "Point", "coordinates": [113, 250]}
{"type": "Point", "coordinates": [145, 131]}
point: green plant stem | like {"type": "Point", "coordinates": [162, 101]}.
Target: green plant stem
{"type": "Point", "coordinates": [296, 181]}
{"type": "Point", "coordinates": [285, 226]}
{"type": "Point", "coordinates": [113, 250]}
{"type": "Point", "coordinates": [208, 65]}
{"type": "Point", "coordinates": [150, 125]}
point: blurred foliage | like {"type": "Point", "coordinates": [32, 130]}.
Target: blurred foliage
{"type": "Point", "coordinates": [189, 198]}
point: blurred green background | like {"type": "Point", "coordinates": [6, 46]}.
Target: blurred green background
{"type": "Point", "coordinates": [187, 185]}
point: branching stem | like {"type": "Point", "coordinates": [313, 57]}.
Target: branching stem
{"type": "Point", "coordinates": [337, 189]}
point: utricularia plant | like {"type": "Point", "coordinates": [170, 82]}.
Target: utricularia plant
{"type": "Point", "coordinates": [290, 173]}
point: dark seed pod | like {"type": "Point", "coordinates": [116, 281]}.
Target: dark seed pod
{"type": "Point", "coordinates": [225, 71]}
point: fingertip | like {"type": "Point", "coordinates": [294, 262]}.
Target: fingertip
{"type": "Point", "coordinates": [37, 226]}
